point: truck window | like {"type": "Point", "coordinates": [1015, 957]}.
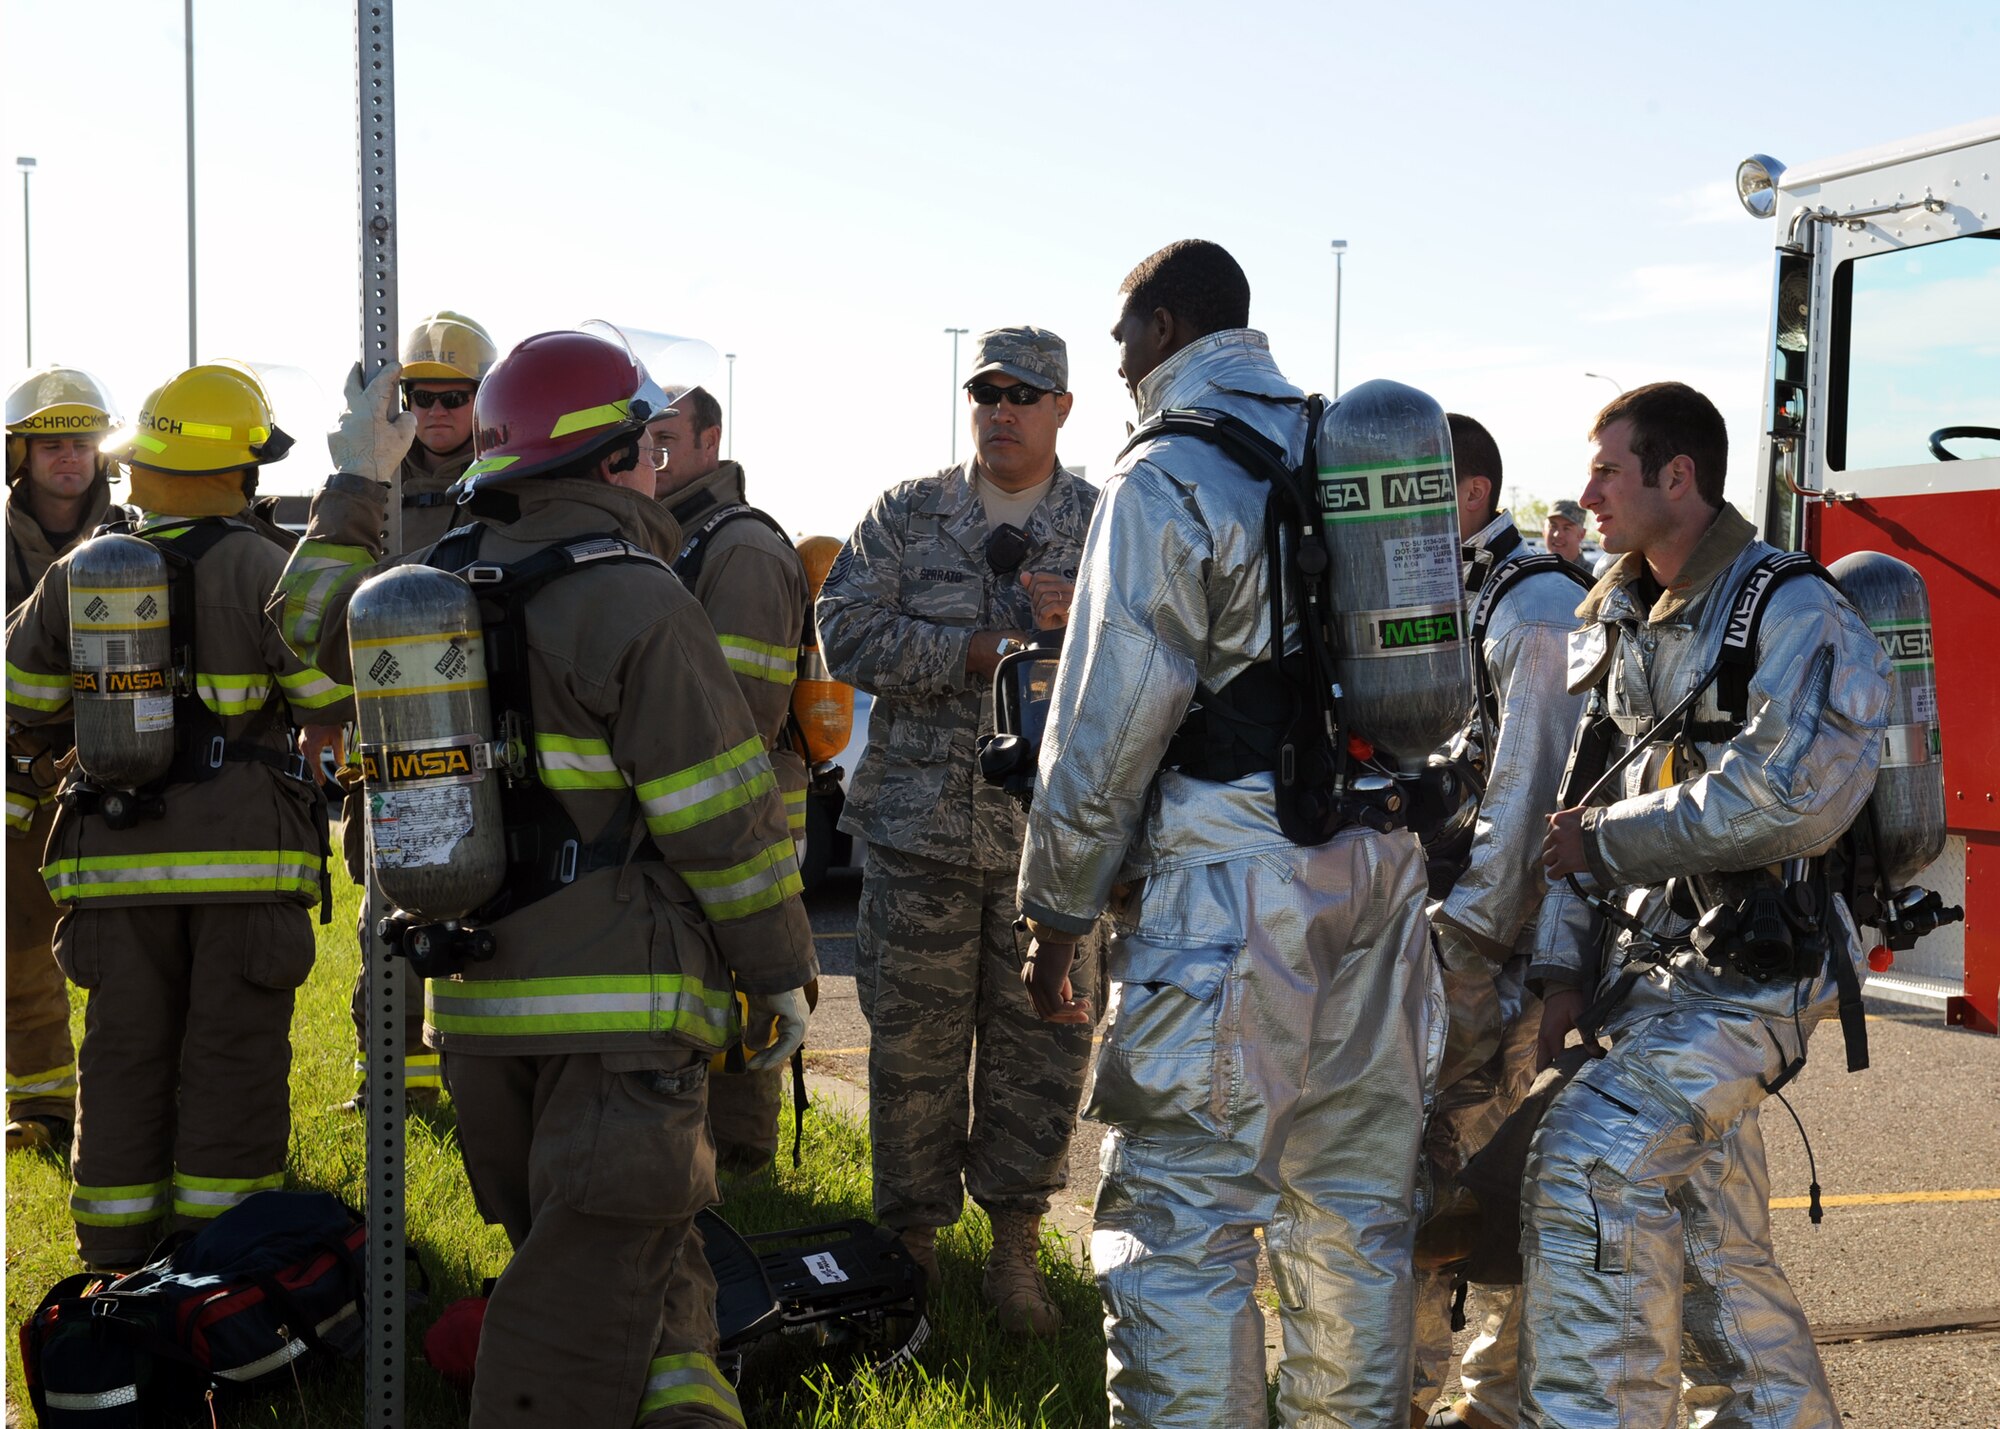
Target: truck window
{"type": "Point", "coordinates": [1916, 348]}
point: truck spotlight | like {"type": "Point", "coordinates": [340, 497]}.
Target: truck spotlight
{"type": "Point", "coordinates": [1756, 184]}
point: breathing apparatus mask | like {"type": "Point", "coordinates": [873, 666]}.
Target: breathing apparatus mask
{"type": "Point", "coordinates": [1024, 682]}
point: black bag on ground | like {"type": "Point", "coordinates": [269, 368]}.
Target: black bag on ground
{"type": "Point", "coordinates": [274, 1279]}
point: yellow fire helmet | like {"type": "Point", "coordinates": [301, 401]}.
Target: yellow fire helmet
{"type": "Point", "coordinates": [54, 402]}
{"type": "Point", "coordinates": [447, 347]}
{"type": "Point", "coordinates": [210, 419]}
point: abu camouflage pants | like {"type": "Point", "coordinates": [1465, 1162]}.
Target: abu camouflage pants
{"type": "Point", "coordinates": [938, 973]}
{"type": "Point", "coordinates": [41, 1064]}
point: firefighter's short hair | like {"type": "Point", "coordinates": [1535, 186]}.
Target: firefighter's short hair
{"type": "Point", "coordinates": [1475, 453]}
{"type": "Point", "coordinates": [1195, 280]}
{"type": "Point", "coordinates": [1671, 419]}
{"type": "Point", "coordinates": [702, 409]}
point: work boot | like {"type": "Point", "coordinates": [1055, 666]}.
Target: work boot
{"type": "Point", "coordinates": [921, 1243]}
{"type": "Point", "coordinates": [1463, 1414]}
{"type": "Point", "coordinates": [1013, 1283]}
{"type": "Point", "coordinates": [39, 1133]}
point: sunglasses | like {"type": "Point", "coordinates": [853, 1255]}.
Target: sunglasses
{"type": "Point", "coordinates": [988, 395]}
{"type": "Point", "coordinates": [451, 400]}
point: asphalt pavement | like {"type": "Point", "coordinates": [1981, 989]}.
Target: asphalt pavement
{"type": "Point", "coordinates": [1902, 1279]}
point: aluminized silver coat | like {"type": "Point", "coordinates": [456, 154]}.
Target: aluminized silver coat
{"type": "Point", "coordinates": [1272, 1021]}
{"type": "Point", "coordinates": [1485, 930]}
{"type": "Point", "coordinates": [1648, 1172]}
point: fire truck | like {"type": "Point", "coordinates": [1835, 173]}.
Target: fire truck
{"type": "Point", "coordinates": [1882, 433]}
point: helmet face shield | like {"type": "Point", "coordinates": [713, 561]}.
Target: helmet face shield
{"type": "Point", "coordinates": [673, 365]}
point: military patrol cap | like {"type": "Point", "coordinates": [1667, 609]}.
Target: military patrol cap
{"type": "Point", "coordinates": [1034, 355]}
{"type": "Point", "coordinates": [1570, 511]}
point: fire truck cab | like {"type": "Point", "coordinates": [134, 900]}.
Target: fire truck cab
{"type": "Point", "coordinates": [1882, 433]}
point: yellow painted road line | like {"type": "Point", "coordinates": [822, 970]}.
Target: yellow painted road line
{"type": "Point", "coordinates": [1887, 1198]}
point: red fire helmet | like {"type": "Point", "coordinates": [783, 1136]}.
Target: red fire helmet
{"type": "Point", "coordinates": [557, 397]}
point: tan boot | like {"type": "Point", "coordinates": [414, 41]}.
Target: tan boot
{"type": "Point", "coordinates": [921, 1243]}
{"type": "Point", "coordinates": [1013, 1283]}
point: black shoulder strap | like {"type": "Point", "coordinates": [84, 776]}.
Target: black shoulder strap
{"type": "Point", "coordinates": [1736, 662]}
{"type": "Point", "coordinates": [1259, 455]}
{"type": "Point", "coordinates": [1510, 575]}
{"type": "Point", "coordinates": [694, 549]}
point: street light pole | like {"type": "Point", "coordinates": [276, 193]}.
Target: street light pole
{"type": "Point", "coordinates": [731, 358]}
{"type": "Point", "coordinates": [187, 31]}
{"type": "Point", "coordinates": [1612, 380]}
{"type": "Point", "coordinates": [27, 167]}
{"type": "Point", "coordinates": [1339, 252]}
{"type": "Point", "coordinates": [956, 333]}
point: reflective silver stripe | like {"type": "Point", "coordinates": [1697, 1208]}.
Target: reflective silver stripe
{"type": "Point", "coordinates": [225, 1199]}
{"type": "Point", "coordinates": [708, 788]}
{"type": "Point", "coordinates": [130, 1206]}
{"type": "Point", "coordinates": [292, 1350]}
{"type": "Point", "coordinates": [64, 1083]}
{"type": "Point", "coordinates": [103, 1399]}
{"type": "Point", "coordinates": [586, 1002]}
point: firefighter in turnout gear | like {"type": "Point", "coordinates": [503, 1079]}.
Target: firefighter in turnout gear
{"type": "Point", "coordinates": [578, 1052]}
{"type": "Point", "coordinates": [1483, 924]}
{"type": "Point", "coordinates": [187, 925]}
{"type": "Point", "coordinates": [748, 577]}
{"type": "Point", "coordinates": [58, 491]}
{"type": "Point", "coordinates": [1645, 1223]}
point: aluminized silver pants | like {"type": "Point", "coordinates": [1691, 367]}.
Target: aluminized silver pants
{"type": "Point", "coordinates": [1467, 1114]}
{"type": "Point", "coordinates": [1266, 1066]}
{"type": "Point", "coordinates": [1646, 1232]}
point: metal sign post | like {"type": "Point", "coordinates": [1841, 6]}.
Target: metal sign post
{"type": "Point", "coordinates": [375, 105]}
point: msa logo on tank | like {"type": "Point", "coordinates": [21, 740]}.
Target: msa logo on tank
{"type": "Point", "coordinates": [1408, 632]}
{"type": "Point", "coordinates": [1378, 492]}
{"type": "Point", "coordinates": [422, 766]}
{"type": "Point", "coordinates": [1906, 643]}
{"type": "Point", "coordinates": [422, 665]}
{"type": "Point", "coordinates": [118, 682]}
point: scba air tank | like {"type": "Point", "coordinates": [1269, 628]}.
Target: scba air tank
{"type": "Point", "coordinates": [121, 661]}
{"type": "Point", "coordinates": [435, 836]}
{"type": "Point", "coordinates": [1390, 500]}
{"type": "Point", "coordinates": [1908, 803]}
{"type": "Point", "coordinates": [822, 706]}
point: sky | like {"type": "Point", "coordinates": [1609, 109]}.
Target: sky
{"type": "Point", "coordinates": [1530, 193]}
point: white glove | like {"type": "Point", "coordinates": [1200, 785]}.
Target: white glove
{"type": "Point", "coordinates": [374, 435]}
{"type": "Point", "coordinates": [789, 1011]}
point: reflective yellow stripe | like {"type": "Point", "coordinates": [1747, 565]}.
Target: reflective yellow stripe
{"type": "Point", "coordinates": [559, 1006]}
{"type": "Point", "coordinates": [795, 809]}
{"type": "Point", "coordinates": [55, 1082]}
{"type": "Point", "coordinates": [759, 882]}
{"type": "Point", "coordinates": [755, 660]}
{"type": "Point", "coordinates": [315, 573]}
{"type": "Point", "coordinates": [21, 810]}
{"type": "Point", "coordinates": [689, 1379]}
{"type": "Point", "coordinates": [423, 1071]}
{"type": "Point", "coordinates": [492, 463]}
{"type": "Point", "coordinates": [708, 789]}
{"type": "Point", "coordinates": [589, 418]}
{"type": "Point", "coordinates": [576, 762]}
{"type": "Point", "coordinates": [32, 690]}
{"type": "Point", "coordinates": [206, 1196]}
{"type": "Point", "coordinates": [309, 689]}
{"type": "Point", "coordinates": [227, 871]}
{"type": "Point", "coordinates": [233, 694]}
{"type": "Point", "coordinates": [118, 1205]}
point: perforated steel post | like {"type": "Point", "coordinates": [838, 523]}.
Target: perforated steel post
{"type": "Point", "coordinates": [375, 106]}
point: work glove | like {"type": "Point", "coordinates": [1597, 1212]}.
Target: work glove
{"type": "Point", "coordinates": [787, 1011]}
{"type": "Point", "coordinates": [374, 434]}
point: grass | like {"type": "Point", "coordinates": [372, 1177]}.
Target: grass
{"type": "Point", "coordinates": [970, 1376]}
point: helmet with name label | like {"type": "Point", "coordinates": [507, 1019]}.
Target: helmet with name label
{"type": "Point", "coordinates": [448, 347]}
{"type": "Point", "coordinates": [212, 418]}
{"type": "Point", "coordinates": [54, 402]}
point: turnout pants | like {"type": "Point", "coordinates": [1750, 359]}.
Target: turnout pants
{"type": "Point", "coordinates": [1646, 1234]}
{"type": "Point", "coordinates": [1464, 1120]}
{"type": "Point", "coordinates": [41, 1064]}
{"type": "Point", "coordinates": [1274, 1030]}
{"type": "Point", "coordinates": [594, 1164]}
{"type": "Point", "coordinates": [183, 1097]}
{"type": "Point", "coordinates": [743, 1118]}
{"type": "Point", "coordinates": [938, 973]}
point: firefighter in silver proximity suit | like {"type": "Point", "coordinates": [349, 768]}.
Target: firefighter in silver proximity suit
{"type": "Point", "coordinates": [1268, 1054]}
{"type": "Point", "coordinates": [1646, 1233]}
{"type": "Point", "coordinates": [1523, 609]}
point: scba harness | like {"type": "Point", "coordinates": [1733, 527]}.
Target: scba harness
{"type": "Point", "coordinates": [201, 748]}
{"type": "Point", "coordinates": [1766, 929]}
{"type": "Point", "coordinates": [545, 851]}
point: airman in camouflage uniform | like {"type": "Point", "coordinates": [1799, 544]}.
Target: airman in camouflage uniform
{"type": "Point", "coordinates": [916, 610]}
